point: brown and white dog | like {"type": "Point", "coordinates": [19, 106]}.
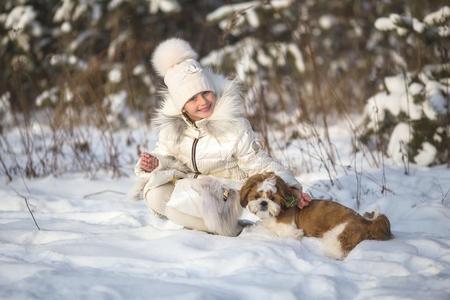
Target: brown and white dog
{"type": "Point", "coordinates": [339, 227]}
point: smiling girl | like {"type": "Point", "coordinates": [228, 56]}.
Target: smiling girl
{"type": "Point", "coordinates": [202, 131]}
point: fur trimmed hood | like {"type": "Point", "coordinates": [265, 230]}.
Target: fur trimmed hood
{"type": "Point", "coordinates": [227, 112]}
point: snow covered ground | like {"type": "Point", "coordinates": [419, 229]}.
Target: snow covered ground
{"type": "Point", "coordinates": [94, 243]}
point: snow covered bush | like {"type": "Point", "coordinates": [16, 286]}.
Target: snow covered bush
{"type": "Point", "coordinates": [258, 49]}
{"type": "Point", "coordinates": [410, 119]}
{"type": "Point", "coordinates": [305, 58]}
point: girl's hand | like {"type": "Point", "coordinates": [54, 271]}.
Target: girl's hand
{"type": "Point", "coordinates": [148, 162]}
{"type": "Point", "coordinates": [303, 198]}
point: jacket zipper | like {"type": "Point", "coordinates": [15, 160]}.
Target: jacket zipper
{"type": "Point", "coordinates": [194, 163]}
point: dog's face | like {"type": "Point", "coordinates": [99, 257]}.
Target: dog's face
{"type": "Point", "coordinates": [265, 195]}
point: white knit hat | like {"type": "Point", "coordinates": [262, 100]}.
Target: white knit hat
{"type": "Point", "coordinates": [175, 60]}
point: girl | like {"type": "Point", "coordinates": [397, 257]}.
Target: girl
{"type": "Point", "coordinates": [201, 132]}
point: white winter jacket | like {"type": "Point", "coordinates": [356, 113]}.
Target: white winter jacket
{"type": "Point", "coordinates": [223, 145]}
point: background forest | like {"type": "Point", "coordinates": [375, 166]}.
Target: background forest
{"type": "Point", "coordinates": [71, 66]}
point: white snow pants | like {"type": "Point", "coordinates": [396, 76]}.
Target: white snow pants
{"type": "Point", "coordinates": [156, 200]}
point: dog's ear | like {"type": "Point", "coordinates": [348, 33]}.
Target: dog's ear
{"type": "Point", "coordinates": [243, 194]}
{"type": "Point", "coordinates": [284, 191]}
{"type": "Point", "coordinates": [248, 186]}
{"type": "Point", "coordinates": [282, 187]}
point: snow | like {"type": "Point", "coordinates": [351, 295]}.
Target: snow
{"type": "Point", "coordinates": [95, 243]}
{"type": "Point", "coordinates": [139, 70]}
{"type": "Point", "coordinates": [68, 94]}
{"type": "Point", "coordinates": [415, 88]}
{"type": "Point", "coordinates": [397, 22]}
{"type": "Point", "coordinates": [438, 16]}
{"type": "Point", "coordinates": [400, 137]}
{"type": "Point", "coordinates": [327, 21]}
{"type": "Point", "coordinates": [232, 16]}
{"type": "Point", "coordinates": [225, 10]}
{"type": "Point", "coordinates": [444, 31]}
{"type": "Point", "coordinates": [399, 98]}
{"type": "Point", "coordinates": [68, 59]}
{"type": "Point", "coordinates": [64, 11]}
{"type": "Point", "coordinates": [96, 11]}
{"type": "Point", "coordinates": [384, 24]}
{"type": "Point", "coordinates": [115, 74]}
{"type": "Point", "coordinates": [72, 11]}
{"type": "Point", "coordinates": [50, 95]}
{"type": "Point", "coordinates": [117, 102]}
{"type": "Point", "coordinates": [121, 38]}
{"type": "Point", "coordinates": [252, 18]}
{"type": "Point", "coordinates": [418, 26]}
{"type": "Point", "coordinates": [438, 101]}
{"type": "Point", "coordinates": [20, 17]}
{"type": "Point", "coordinates": [166, 6]}
{"type": "Point", "coordinates": [79, 11]}
{"type": "Point", "coordinates": [66, 27]}
{"type": "Point", "coordinates": [114, 4]}
{"type": "Point", "coordinates": [279, 4]}
{"type": "Point", "coordinates": [426, 154]}
{"type": "Point", "coordinates": [244, 52]}
{"type": "Point", "coordinates": [83, 36]}
{"type": "Point", "coordinates": [298, 57]}
{"type": "Point", "coordinates": [263, 58]}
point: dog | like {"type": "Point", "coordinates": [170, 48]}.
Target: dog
{"type": "Point", "coordinates": [339, 227]}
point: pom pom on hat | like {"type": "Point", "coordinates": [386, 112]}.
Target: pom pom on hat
{"type": "Point", "coordinates": [171, 52]}
{"type": "Point", "coordinates": [175, 61]}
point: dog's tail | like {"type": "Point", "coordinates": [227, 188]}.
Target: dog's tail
{"type": "Point", "coordinates": [379, 227]}
{"type": "Point", "coordinates": [221, 216]}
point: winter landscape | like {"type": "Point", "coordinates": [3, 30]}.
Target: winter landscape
{"type": "Point", "coordinates": [366, 126]}
{"type": "Point", "coordinates": [95, 243]}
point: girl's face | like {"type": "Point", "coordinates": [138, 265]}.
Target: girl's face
{"type": "Point", "coordinates": [200, 106]}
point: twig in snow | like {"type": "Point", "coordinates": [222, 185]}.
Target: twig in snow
{"type": "Point", "coordinates": [101, 192]}
{"type": "Point", "coordinates": [444, 196]}
{"type": "Point", "coordinates": [358, 185]}
{"type": "Point", "coordinates": [380, 150]}
{"type": "Point", "coordinates": [28, 206]}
